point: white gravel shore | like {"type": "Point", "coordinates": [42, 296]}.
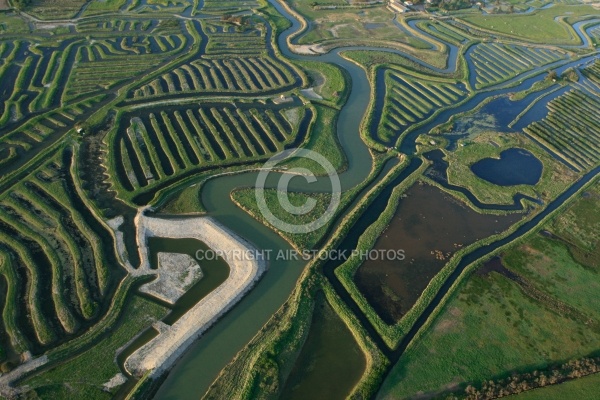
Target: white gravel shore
{"type": "Point", "coordinates": [308, 49]}
{"type": "Point", "coordinates": [159, 355]}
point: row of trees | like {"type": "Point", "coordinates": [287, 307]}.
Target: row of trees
{"type": "Point", "coordinates": [532, 380]}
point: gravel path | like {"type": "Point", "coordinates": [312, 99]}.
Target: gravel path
{"type": "Point", "coordinates": [6, 380]}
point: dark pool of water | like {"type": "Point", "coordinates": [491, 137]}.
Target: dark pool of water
{"type": "Point", "coordinates": [514, 167]}
{"type": "Point", "coordinates": [438, 172]}
{"type": "Point", "coordinates": [373, 25]}
{"type": "Point", "coordinates": [215, 272]}
{"type": "Point", "coordinates": [135, 344]}
{"type": "Point", "coordinates": [430, 226]}
{"type": "Point", "coordinates": [330, 363]}
{"type": "Point", "coordinates": [499, 113]}
{"type": "Point", "coordinates": [503, 109]}
{"type": "Point", "coordinates": [495, 264]}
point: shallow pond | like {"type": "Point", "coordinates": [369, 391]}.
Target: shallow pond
{"type": "Point", "coordinates": [330, 363]}
{"type": "Point", "coordinates": [514, 167]}
{"type": "Point", "coordinates": [504, 110]}
{"type": "Point", "coordinates": [430, 226]}
{"type": "Point", "coordinates": [373, 25]}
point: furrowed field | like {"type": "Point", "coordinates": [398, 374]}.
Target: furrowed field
{"type": "Point", "coordinates": [200, 137]}
{"type": "Point", "coordinates": [570, 129]}
{"type": "Point", "coordinates": [56, 260]}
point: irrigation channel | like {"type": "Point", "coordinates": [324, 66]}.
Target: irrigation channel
{"type": "Point", "coordinates": [194, 373]}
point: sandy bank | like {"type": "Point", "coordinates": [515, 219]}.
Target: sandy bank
{"type": "Point", "coordinates": [311, 94]}
{"type": "Point", "coordinates": [306, 49]}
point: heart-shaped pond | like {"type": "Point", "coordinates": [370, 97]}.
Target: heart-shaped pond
{"type": "Point", "coordinates": [514, 167]}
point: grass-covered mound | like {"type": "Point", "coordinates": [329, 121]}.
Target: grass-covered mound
{"type": "Point", "coordinates": [246, 198]}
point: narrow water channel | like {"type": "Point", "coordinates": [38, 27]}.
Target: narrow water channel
{"type": "Point", "coordinates": [201, 364]}
{"type": "Point", "coordinates": [330, 363]}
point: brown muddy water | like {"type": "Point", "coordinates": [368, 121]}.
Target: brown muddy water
{"type": "Point", "coordinates": [430, 226]}
{"type": "Point", "coordinates": [330, 363]}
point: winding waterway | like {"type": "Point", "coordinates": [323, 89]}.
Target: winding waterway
{"type": "Point", "coordinates": [197, 370]}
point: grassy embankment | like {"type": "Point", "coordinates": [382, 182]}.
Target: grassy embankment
{"type": "Point", "coordinates": [329, 81]}
{"type": "Point", "coordinates": [37, 137]}
{"type": "Point", "coordinates": [411, 99]}
{"type": "Point", "coordinates": [538, 86]}
{"type": "Point", "coordinates": [90, 122]}
{"type": "Point", "coordinates": [373, 61]}
{"type": "Point", "coordinates": [245, 198]}
{"type": "Point", "coordinates": [92, 72]}
{"type": "Point", "coordinates": [345, 272]}
{"type": "Point", "coordinates": [251, 70]}
{"type": "Point", "coordinates": [496, 63]}
{"type": "Point", "coordinates": [371, 58]}
{"type": "Point", "coordinates": [183, 196]}
{"type": "Point", "coordinates": [66, 255]}
{"type": "Point", "coordinates": [274, 350]}
{"type": "Point", "coordinates": [219, 7]}
{"type": "Point", "coordinates": [194, 139]}
{"type": "Point", "coordinates": [289, 323]}
{"type": "Point", "coordinates": [444, 31]}
{"type": "Point", "coordinates": [570, 129]}
{"type": "Point", "coordinates": [238, 144]}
